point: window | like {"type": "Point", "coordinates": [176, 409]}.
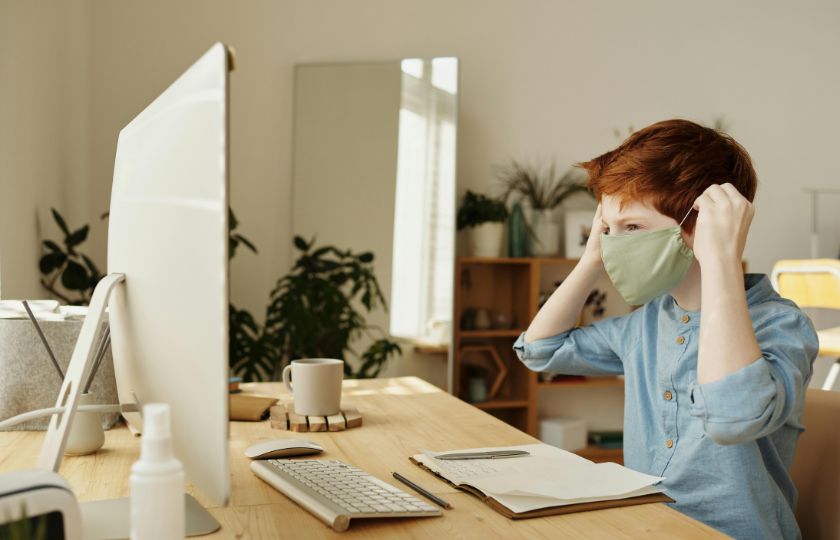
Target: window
{"type": "Point", "coordinates": [424, 216]}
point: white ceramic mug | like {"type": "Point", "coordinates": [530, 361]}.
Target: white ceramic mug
{"type": "Point", "coordinates": [317, 385]}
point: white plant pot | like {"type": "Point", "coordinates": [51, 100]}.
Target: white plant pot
{"type": "Point", "coordinates": [486, 239]}
{"type": "Point", "coordinates": [546, 241]}
{"type": "Point", "coordinates": [86, 434]}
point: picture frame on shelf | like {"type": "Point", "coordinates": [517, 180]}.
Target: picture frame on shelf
{"type": "Point", "coordinates": [578, 227]}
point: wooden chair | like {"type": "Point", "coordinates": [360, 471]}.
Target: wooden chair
{"type": "Point", "coordinates": [816, 467]}
{"type": "Point", "coordinates": [814, 283]}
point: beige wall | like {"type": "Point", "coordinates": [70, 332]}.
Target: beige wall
{"type": "Point", "coordinates": [539, 79]}
{"type": "Point", "coordinates": [44, 136]}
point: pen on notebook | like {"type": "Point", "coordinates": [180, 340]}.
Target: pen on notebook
{"type": "Point", "coordinates": [435, 499]}
{"type": "Point", "coordinates": [491, 454]}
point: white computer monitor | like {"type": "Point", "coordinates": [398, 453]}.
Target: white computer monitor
{"type": "Point", "coordinates": [168, 237]}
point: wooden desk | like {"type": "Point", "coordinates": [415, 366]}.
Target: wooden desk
{"type": "Point", "coordinates": [400, 416]}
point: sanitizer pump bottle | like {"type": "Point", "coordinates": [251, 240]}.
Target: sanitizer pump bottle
{"type": "Point", "coordinates": [157, 481]}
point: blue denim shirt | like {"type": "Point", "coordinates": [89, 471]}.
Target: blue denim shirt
{"type": "Point", "coordinates": [725, 448]}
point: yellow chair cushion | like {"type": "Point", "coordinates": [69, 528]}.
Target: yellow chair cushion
{"type": "Point", "coordinates": [818, 286]}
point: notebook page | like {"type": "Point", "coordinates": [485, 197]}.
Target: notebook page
{"type": "Point", "coordinates": [465, 470]}
{"type": "Point", "coordinates": [591, 480]}
{"type": "Point", "coordinates": [519, 504]}
{"type": "Point", "coordinates": [548, 477]}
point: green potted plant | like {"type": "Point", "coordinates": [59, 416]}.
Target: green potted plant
{"type": "Point", "coordinates": [64, 264]}
{"type": "Point", "coordinates": [485, 217]}
{"type": "Point", "coordinates": [543, 191]}
{"type": "Point", "coordinates": [318, 309]}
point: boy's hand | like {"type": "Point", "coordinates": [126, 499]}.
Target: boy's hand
{"type": "Point", "coordinates": [723, 221]}
{"type": "Point", "coordinates": [592, 253]}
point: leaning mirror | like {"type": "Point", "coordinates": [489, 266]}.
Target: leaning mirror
{"type": "Point", "coordinates": [374, 152]}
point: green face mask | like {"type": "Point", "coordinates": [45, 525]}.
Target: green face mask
{"type": "Point", "coordinates": [646, 265]}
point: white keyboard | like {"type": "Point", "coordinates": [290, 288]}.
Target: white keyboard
{"type": "Point", "coordinates": [336, 492]}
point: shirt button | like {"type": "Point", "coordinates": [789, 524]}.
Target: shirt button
{"type": "Point", "coordinates": [680, 340]}
{"type": "Point", "coordinates": [685, 318]}
{"type": "Point", "coordinates": [669, 443]}
{"type": "Point", "coordinates": [668, 395]}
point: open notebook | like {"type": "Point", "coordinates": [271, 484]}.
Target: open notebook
{"type": "Point", "coordinates": [548, 481]}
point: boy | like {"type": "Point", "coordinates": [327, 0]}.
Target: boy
{"type": "Point", "coordinates": [712, 403]}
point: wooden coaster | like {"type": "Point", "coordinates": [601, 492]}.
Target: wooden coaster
{"type": "Point", "coordinates": [283, 416]}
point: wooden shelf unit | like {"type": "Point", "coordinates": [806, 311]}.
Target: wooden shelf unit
{"type": "Point", "coordinates": [511, 286]}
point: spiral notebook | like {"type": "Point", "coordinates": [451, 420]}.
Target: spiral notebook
{"type": "Point", "coordinates": [548, 481]}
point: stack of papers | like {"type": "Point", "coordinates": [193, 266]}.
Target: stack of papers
{"type": "Point", "coordinates": [548, 477]}
{"type": "Point", "coordinates": [43, 310]}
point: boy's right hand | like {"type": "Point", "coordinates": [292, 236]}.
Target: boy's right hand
{"type": "Point", "coordinates": [592, 253]}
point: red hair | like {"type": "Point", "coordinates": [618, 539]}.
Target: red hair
{"type": "Point", "coordinates": [668, 165]}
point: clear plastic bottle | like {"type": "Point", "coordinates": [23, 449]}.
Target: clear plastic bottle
{"type": "Point", "coordinates": [157, 481]}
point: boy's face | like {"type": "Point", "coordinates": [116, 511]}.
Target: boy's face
{"type": "Point", "coordinates": [635, 217]}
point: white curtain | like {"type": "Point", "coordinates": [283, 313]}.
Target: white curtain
{"type": "Point", "coordinates": [424, 217]}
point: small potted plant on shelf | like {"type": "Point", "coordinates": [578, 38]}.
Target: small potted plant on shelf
{"type": "Point", "coordinates": [543, 191]}
{"type": "Point", "coordinates": [486, 217]}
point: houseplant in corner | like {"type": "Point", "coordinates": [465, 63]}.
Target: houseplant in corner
{"type": "Point", "coordinates": [543, 191]}
{"type": "Point", "coordinates": [63, 263]}
{"type": "Point", "coordinates": [485, 217]}
{"type": "Point", "coordinates": [318, 309]}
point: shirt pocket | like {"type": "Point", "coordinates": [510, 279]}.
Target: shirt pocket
{"type": "Point", "coordinates": [694, 425]}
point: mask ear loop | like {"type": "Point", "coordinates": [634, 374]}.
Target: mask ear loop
{"type": "Point", "coordinates": [686, 217]}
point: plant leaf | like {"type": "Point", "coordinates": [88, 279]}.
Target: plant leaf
{"type": "Point", "coordinates": [74, 277]}
{"type": "Point", "coordinates": [233, 223]}
{"type": "Point", "coordinates": [77, 237]}
{"type": "Point", "coordinates": [94, 270]}
{"type": "Point", "coordinates": [51, 261]}
{"type": "Point", "coordinates": [60, 220]}
{"type": "Point", "coordinates": [52, 246]}
{"type": "Point", "coordinates": [301, 244]}
{"type": "Point", "coordinates": [247, 243]}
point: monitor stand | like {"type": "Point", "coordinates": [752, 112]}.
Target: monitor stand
{"type": "Point", "coordinates": [106, 518]}
{"type": "Point", "coordinates": [110, 519]}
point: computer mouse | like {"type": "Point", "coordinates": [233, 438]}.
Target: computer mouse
{"type": "Point", "coordinates": [282, 448]}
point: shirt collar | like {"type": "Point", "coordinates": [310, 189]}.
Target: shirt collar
{"type": "Point", "coordinates": [757, 286]}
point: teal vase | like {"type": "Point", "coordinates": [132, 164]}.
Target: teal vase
{"type": "Point", "coordinates": [518, 235]}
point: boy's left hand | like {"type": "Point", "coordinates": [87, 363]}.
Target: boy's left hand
{"type": "Point", "coordinates": [723, 221]}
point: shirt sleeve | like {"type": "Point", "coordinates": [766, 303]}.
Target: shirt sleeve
{"type": "Point", "coordinates": [585, 350]}
{"type": "Point", "coordinates": [761, 397]}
